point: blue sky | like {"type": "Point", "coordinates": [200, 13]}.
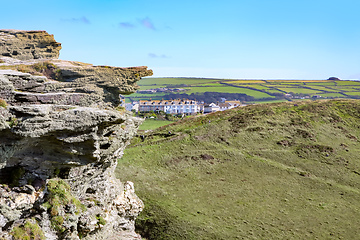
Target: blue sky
{"type": "Point", "coordinates": [243, 39]}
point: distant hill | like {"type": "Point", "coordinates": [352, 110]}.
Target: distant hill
{"type": "Point", "coordinates": [266, 171]}
{"type": "Point", "coordinates": [212, 90]}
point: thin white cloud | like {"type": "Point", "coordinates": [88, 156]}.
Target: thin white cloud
{"type": "Point", "coordinates": [126, 25]}
{"type": "Point", "coordinates": [83, 19]}
{"type": "Point", "coordinates": [143, 22]}
{"type": "Point", "coordinates": [147, 23]}
{"type": "Point", "coordinates": [153, 55]}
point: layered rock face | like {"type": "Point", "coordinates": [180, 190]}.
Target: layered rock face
{"type": "Point", "coordinates": [61, 133]}
{"type": "Point", "coordinates": [27, 45]}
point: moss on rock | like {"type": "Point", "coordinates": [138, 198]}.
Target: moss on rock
{"type": "Point", "coordinates": [59, 198]}
{"type": "Point", "coordinates": [30, 230]}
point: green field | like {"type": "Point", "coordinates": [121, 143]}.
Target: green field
{"type": "Point", "coordinates": [146, 87]}
{"type": "Point", "coordinates": [332, 95]}
{"type": "Point", "coordinates": [323, 83]}
{"type": "Point", "coordinates": [147, 95]}
{"type": "Point", "coordinates": [260, 89]}
{"type": "Point", "coordinates": [300, 90]}
{"type": "Point", "coordinates": [322, 88]}
{"type": "Point", "coordinates": [353, 93]}
{"type": "Point", "coordinates": [151, 124]}
{"type": "Point", "coordinates": [344, 88]}
{"type": "Point", "coordinates": [228, 89]}
{"type": "Point", "coordinates": [274, 91]}
{"type": "Point", "coordinates": [256, 86]}
{"type": "Point", "coordinates": [349, 83]}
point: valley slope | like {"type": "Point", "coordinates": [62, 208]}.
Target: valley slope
{"type": "Point", "coordinates": [271, 171]}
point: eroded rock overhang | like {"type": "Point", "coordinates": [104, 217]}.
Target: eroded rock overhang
{"type": "Point", "coordinates": [61, 125]}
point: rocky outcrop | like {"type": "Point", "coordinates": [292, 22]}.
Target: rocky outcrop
{"type": "Point", "coordinates": [66, 82]}
{"type": "Point", "coordinates": [26, 45]}
{"type": "Point", "coordinates": [61, 132]}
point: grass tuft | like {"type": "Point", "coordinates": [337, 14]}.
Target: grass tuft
{"type": "Point", "coordinates": [3, 103]}
{"type": "Point", "coordinates": [46, 68]}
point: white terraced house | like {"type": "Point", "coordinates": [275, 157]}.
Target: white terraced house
{"type": "Point", "coordinates": [170, 106]}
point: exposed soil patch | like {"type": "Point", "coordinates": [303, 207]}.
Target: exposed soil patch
{"type": "Point", "coordinates": [304, 150]}
{"type": "Point", "coordinates": [206, 157]}
{"type": "Point", "coordinates": [304, 134]}
{"type": "Point", "coordinates": [285, 143]}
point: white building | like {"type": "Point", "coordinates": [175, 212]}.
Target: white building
{"type": "Point", "coordinates": [170, 106]}
{"type": "Point", "coordinates": [212, 107]}
{"type": "Point", "coordinates": [132, 106]}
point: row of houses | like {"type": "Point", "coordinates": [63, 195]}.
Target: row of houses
{"type": "Point", "coordinates": [180, 106]}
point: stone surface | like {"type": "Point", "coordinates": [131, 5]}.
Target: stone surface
{"type": "Point", "coordinates": [25, 45]}
{"type": "Point", "coordinates": [74, 83]}
{"type": "Point", "coordinates": [61, 126]}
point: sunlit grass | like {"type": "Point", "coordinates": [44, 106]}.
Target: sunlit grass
{"type": "Point", "coordinates": [274, 171]}
{"type": "Point", "coordinates": [151, 124]}
{"type": "Point", "coordinates": [245, 81]}
{"type": "Point", "coordinates": [353, 93]}
{"type": "Point", "coordinates": [300, 90]}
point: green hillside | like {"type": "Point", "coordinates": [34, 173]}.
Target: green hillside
{"type": "Point", "coordinates": [267, 171]}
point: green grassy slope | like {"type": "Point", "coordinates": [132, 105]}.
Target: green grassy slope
{"type": "Point", "coordinates": [271, 171]}
{"type": "Point", "coordinates": [150, 124]}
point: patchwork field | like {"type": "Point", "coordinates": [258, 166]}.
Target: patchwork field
{"type": "Point", "coordinates": [248, 90]}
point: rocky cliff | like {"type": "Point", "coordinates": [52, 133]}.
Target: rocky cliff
{"type": "Point", "coordinates": [61, 133]}
{"type": "Point", "coordinates": [27, 45]}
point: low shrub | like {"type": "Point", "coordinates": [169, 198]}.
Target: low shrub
{"type": "Point", "coordinates": [3, 103]}
{"type": "Point", "coordinates": [120, 109]}
{"type": "Point", "coordinates": [101, 220]}
{"type": "Point", "coordinates": [28, 231]}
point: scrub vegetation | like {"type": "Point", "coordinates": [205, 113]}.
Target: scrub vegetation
{"type": "Point", "coordinates": [30, 230]}
{"type": "Point", "coordinates": [266, 171]}
{"type": "Point", "coordinates": [45, 68]}
{"type": "Point", "coordinates": [3, 103]}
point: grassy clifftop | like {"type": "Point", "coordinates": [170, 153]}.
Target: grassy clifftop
{"type": "Point", "coordinates": [274, 171]}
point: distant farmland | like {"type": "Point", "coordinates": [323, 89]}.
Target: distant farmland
{"type": "Point", "coordinates": [244, 90]}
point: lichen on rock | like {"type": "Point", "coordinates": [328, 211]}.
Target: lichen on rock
{"type": "Point", "coordinates": [60, 138]}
